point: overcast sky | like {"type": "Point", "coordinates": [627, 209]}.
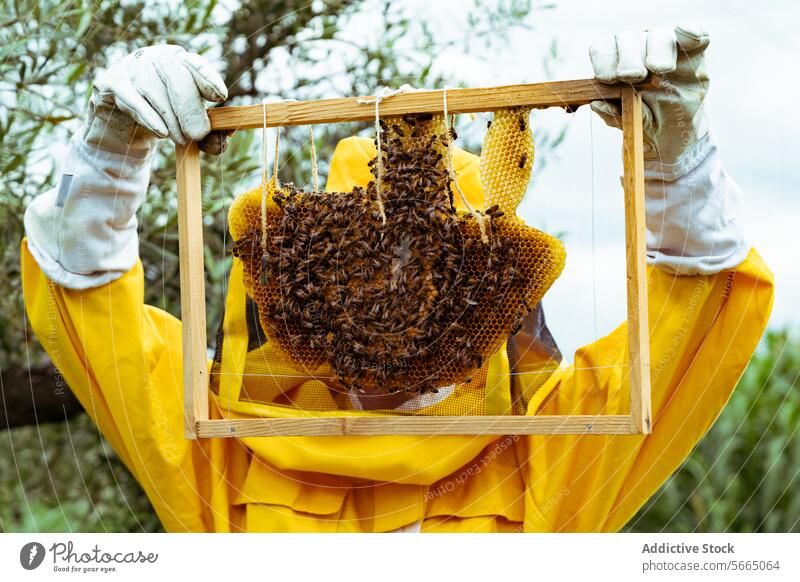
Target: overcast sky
{"type": "Point", "coordinates": [752, 58]}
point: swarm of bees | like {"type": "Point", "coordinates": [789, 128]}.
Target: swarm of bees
{"type": "Point", "coordinates": [409, 305]}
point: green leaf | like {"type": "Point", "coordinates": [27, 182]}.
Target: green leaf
{"type": "Point", "coordinates": [84, 23]}
{"type": "Point", "coordinates": [75, 72]}
{"type": "Point", "coordinates": [15, 163]}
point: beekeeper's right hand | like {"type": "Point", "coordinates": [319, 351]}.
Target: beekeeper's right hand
{"type": "Point", "coordinates": [674, 114]}
{"type": "Point", "coordinates": [83, 232]}
{"type": "Point", "coordinates": [693, 206]}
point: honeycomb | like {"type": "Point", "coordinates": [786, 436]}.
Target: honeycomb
{"type": "Point", "coordinates": [411, 305]}
{"type": "Point", "coordinates": [507, 159]}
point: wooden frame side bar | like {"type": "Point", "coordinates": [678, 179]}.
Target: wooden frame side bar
{"type": "Point", "coordinates": [416, 425]}
{"type": "Point", "coordinates": [537, 95]}
{"type": "Point", "coordinates": [638, 332]}
{"type": "Point", "coordinates": [193, 288]}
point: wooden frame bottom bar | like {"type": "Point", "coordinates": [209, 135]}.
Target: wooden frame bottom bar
{"type": "Point", "coordinates": [417, 425]}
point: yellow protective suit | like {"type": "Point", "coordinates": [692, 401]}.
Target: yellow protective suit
{"type": "Point", "coordinates": [123, 360]}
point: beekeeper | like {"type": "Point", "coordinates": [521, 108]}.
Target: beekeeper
{"type": "Point", "coordinates": [710, 296]}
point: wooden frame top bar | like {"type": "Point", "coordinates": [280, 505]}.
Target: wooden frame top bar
{"type": "Point", "coordinates": [539, 95]}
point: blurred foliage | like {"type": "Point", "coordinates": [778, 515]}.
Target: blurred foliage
{"type": "Point", "coordinates": [65, 478]}
{"type": "Point", "coordinates": [744, 475]}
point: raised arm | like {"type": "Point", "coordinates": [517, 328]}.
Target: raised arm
{"type": "Point", "coordinates": [710, 297]}
{"type": "Point", "coordinates": [84, 286]}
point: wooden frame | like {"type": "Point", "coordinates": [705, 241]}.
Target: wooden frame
{"type": "Point", "coordinates": [567, 94]}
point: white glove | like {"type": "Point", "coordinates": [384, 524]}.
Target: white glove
{"type": "Point", "coordinates": [693, 207]}
{"type": "Point", "coordinates": [674, 119]}
{"type": "Point", "coordinates": [154, 92]}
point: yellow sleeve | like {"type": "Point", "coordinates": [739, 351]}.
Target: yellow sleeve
{"type": "Point", "coordinates": [122, 359]}
{"type": "Point", "coordinates": [703, 331]}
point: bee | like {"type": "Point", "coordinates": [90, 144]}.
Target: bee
{"type": "Point", "coordinates": [522, 125]}
{"type": "Point", "coordinates": [522, 160]}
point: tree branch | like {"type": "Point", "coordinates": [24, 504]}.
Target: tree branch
{"type": "Point", "coordinates": [36, 396]}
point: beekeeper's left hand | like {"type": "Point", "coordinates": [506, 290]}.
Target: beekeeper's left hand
{"type": "Point", "coordinates": [154, 92]}
{"type": "Point", "coordinates": [674, 118]}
